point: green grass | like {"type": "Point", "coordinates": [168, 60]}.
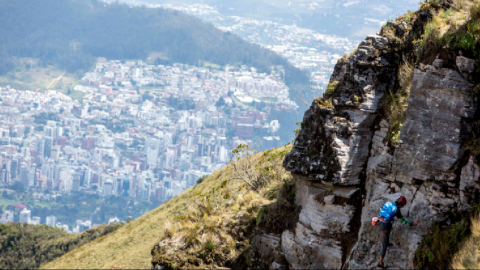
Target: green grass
{"type": "Point", "coordinates": [38, 79]}
{"type": "Point", "coordinates": [207, 64]}
{"type": "Point", "coordinates": [439, 246]}
{"type": "Point", "coordinates": [76, 95]}
{"type": "Point", "coordinates": [39, 244]}
{"type": "Point", "coordinates": [44, 204]}
{"type": "Point", "coordinates": [4, 203]}
{"type": "Point", "coordinates": [331, 87]}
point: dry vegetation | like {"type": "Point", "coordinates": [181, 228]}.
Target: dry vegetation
{"type": "Point", "coordinates": [38, 78]}
{"type": "Point", "coordinates": [324, 103]}
{"type": "Point", "coordinates": [469, 255]}
{"type": "Point", "coordinates": [397, 103]}
{"type": "Point", "coordinates": [216, 229]}
{"type": "Point", "coordinates": [206, 220]}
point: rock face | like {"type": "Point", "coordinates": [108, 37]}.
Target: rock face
{"type": "Point", "coordinates": [334, 144]}
{"type": "Point", "coordinates": [346, 171]}
{"type": "Point", "coordinates": [429, 168]}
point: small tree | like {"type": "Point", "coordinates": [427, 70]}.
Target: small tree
{"type": "Point", "coordinates": [243, 162]}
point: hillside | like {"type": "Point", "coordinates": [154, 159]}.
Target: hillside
{"type": "Point", "coordinates": [71, 33]}
{"type": "Point", "coordinates": [218, 199]}
{"type": "Point", "coordinates": [336, 17]}
{"type": "Point", "coordinates": [24, 246]}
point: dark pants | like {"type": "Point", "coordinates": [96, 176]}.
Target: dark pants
{"type": "Point", "coordinates": [386, 228]}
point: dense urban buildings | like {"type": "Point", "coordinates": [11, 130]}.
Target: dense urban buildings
{"type": "Point", "coordinates": [143, 131]}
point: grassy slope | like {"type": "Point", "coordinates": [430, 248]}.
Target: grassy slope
{"type": "Point", "coordinates": [38, 78]}
{"type": "Point", "coordinates": [130, 246]}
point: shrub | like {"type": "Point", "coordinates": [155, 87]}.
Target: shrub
{"type": "Point", "coordinates": [39, 244]}
{"type": "Point", "coordinates": [439, 245]}
{"type": "Point", "coordinates": [468, 256]}
{"type": "Point", "coordinates": [324, 103]}
{"type": "Point", "coordinates": [331, 87]}
{"type": "Point", "coordinates": [396, 103]}
{"type": "Point", "coordinates": [475, 11]}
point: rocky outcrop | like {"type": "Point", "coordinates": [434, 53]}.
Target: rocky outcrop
{"type": "Point", "coordinates": [333, 144]}
{"type": "Point", "coordinates": [331, 153]}
{"type": "Point", "coordinates": [429, 167]}
{"type": "Point", "coordinates": [346, 171]}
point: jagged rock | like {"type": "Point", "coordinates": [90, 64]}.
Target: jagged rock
{"type": "Point", "coordinates": [267, 248]}
{"type": "Point", "coordinates": [465, 66]}
{"type": "Point", "coordinates": [276, 265]}
{"type": "Point", "coordinates": [330, 199]}
{"type": "Point", "coordinates": [469, 184]}
{"type": "Point", "coordinates": [399, 28]}
{"type": "Point", "coordinates": [438, 63]}
{"type": "Point", "coordinates": [335, 143]}
{"type": "Point", "coordinates": [440, 101]}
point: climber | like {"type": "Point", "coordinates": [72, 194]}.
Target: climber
{"type": "Point", "coordinates": [387, 213]}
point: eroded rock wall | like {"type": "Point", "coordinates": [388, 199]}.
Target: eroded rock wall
{"type": "Point", "coordinates": [331, 153]}
{"type": "Point", "coordinates": [429, 167]}
{"type": "Point", "coordinates": [346, 171]}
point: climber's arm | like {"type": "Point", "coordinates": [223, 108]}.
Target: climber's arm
{"type": "Point", "coordinates": [402, 219]}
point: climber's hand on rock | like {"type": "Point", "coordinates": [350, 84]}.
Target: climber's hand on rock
{"type": "Point", "coordinates": [415, 222]}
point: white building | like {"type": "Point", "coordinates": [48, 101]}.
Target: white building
{"type": "Point", "coordinates": [25, 216]}
{"type": "Point", "coordinates": [153, 146]}
{"type": "Point", "coordinates": [51, 221]}
{"type": "Point", "coordinates": [62, 226]}
{"type": "Point", "coordinates": [6, 217]}
{"type": "Point", "coordinates": [35, 220]}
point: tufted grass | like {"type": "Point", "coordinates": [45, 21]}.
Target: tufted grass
{"type": "Point", "coordinates": [216, 232]}
{"type": "Point", "coordinates": [468, 257]}
{"type": "Point", "coordinates": [184, 218]}
{"type": "Point", "coordinates": [397, 103]}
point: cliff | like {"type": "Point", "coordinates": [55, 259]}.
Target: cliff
{"type": "Point", "coordinates": [400, 117]}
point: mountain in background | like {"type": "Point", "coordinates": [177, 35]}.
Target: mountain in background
{"type": "Point", "coordinates": [346, 18]}
{"type": "Point", "coordinates": [71, 33]}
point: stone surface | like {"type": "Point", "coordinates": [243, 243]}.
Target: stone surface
{"type": "Point", "coordinates": [345, 171]}
{"type": "Point", "coordinates": [466, 66]}
{"type": "Point", "coordinates": [330, 199]}
{"type": "Point", "coordinates": [267, 248]}
{"type": "Point", "coordinates": [433, 133]}
{"type": "Point", "coordinates": [333, 145]}
{"type": "Point", "coordinates": [316, 242]}
{"type": "Point", "coordinates": [421, 168]}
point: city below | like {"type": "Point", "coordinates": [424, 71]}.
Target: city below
{"type": "Point", "coordinates": [142, 131]}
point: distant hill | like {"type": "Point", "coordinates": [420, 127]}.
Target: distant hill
{"type": "Point", "coordinates": [24, 246]}
{"type": "Point", "coordinates": [345, 18]}
{"type": "Point", "coordinates": [70, 33]}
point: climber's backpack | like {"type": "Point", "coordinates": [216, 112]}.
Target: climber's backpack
{"type": "Point", "coordinates": [388, 211]}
